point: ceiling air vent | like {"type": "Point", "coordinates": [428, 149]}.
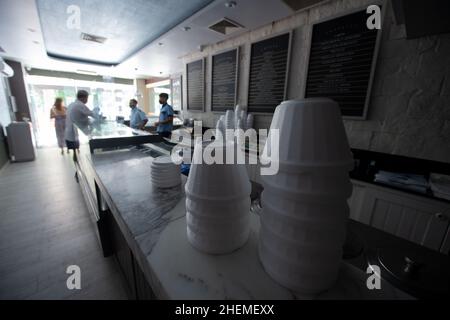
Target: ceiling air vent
{"type": "Point", "coordinates": [225, 26]}
{"type": "Point", "coordinates": [92, 38]}
{"type": "Point", "coordinates": [297, 5]}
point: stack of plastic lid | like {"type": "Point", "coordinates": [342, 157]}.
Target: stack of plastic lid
{"type": "Point", "coordinates": [233, 120]}
{"type": "Point", "coordinates": [165, 173]}
{"type": "Point", "coordinates": [220, 128]}
{"type": "Point", "coordinates": [229, 119]}
{"type": "Point", "coordinates": [249, 121]}
{"type": "Point", "coordinates": [240, 114]}
{"type": "Point", "coordinates": [305, 211]}
{"type": "Point", "coordinates": [217, 201]}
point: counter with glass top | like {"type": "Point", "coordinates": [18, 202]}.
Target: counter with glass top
{"type": "Point", "coordinates": [110, 134]}
{"type": "Point", "coordinates": [97, 137]}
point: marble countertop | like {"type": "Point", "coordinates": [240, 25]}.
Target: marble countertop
{"type": "Point", "coordinates": [154, 224]}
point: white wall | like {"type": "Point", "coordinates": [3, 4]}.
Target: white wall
{"type": "Point", "coordinates": [143, 100]}
{"type": "Point", "coordinates": [409, 108]}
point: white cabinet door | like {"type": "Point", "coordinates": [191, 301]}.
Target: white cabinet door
{"type": "Point", "coordinates": [420, 221]}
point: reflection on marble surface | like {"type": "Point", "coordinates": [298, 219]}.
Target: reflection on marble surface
{"type": "Point", "coordinates": [185, 273]}
{"type": "Point", "coordinates": [126, 176]}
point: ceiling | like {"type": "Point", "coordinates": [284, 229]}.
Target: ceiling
{"type": "Point", "coordinates": [124, 26]}
{"type": "Point", "coordinates": [144, 37]}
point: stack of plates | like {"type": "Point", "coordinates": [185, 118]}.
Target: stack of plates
{"type": "Point", "coordinates": [165, 174]}
{"type": "Point", "coordinates": [305, 211]}
{"type": "Point", "coordinates": [217, 202]}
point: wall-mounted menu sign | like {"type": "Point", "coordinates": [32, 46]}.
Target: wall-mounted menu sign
{"type": "Point", "coordinates": [268, 71]}
{"type": "Point", "coordinates": [224, 80]}
{"type": "Point", "coordinates": [195, 78]}
{"type": "Point", "coordinates": [340, 62]}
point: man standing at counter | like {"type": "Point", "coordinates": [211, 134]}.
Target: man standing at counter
{"type": "Point", "coordinates": [138, 119]}
{"type": "Point", "coordinates": [165, 123]}
{"type": "Point", "coordinates": [77, 113]}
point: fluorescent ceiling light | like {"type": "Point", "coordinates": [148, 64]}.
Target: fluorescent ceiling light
{"type": "Point", "coordinates": [86, 72]}
{"type": "Point", "coordinates": [158, 84]}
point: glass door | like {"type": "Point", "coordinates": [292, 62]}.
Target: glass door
{"type": "Point", "coordinates": [110, 98]}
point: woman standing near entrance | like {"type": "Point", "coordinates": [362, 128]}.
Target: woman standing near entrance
{"type": "Point", "coordinates": [58, 112]}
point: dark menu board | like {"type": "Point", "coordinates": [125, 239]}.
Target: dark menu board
{"type": "Point", "coordinates": [268, 70]}
{"type": "Point", "coordinates": [177, 92]}
{"type": "Point", "coordinates": [224, 79]}
{"type": "Point", "coordinates": [195, 85]}
{"type": "Point", "coordinates": [340, 62]}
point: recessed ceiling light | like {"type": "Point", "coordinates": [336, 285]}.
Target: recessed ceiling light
{"type": "Point", "coordinates": [35, 42]}
{"type": "Point", "coordinates": [160, 44]}
{"type": "Point", "coordinates": [230, 4]}
{"type": "Point", "coordinates": [31, 30]}
{"type": "Point", "coordinates": [186, 28]}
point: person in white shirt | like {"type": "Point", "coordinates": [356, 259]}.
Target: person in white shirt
{"type": "Point", "coordinates": [138, 119]}
{"type": "Point", "coordinates": [77, 114]}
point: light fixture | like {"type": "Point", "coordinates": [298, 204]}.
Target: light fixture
{"type": "Point", "coordinates": [35, 42]}
{"type": "Point", "coordinates": [31, 30]}
{"type": "Point", "coordinates": [230, 4]}
{"type": "Point", "coordinates": [160, 44]}
{"type": "Point", "coordinates": [186, 28]}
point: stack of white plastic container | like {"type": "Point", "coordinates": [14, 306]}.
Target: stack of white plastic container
{"type": "Point", "coordinates": [217, 202]}
{"type": "Point", "coordinates": [237, 119]}
{"type": "Point", "coordinates": [303, 223]}
{"type": "Point", "coordinates": [165, 173]}
{"type": "Point", "coordinates": [229, 119]}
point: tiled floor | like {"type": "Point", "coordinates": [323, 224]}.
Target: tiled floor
{"type": "Point", "coordinates": [44, 228]}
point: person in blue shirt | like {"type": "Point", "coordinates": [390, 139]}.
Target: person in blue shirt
{"type": "Point", "coordinates": [138, 119]}
{"type": "Point", "coordinates": [165, 123]}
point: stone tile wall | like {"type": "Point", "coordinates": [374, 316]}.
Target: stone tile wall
{"type": "Point", "coordinates": [409, 108]}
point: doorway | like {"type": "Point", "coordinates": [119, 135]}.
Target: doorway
{"type": "Point", "coordinates": [110, 98]}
